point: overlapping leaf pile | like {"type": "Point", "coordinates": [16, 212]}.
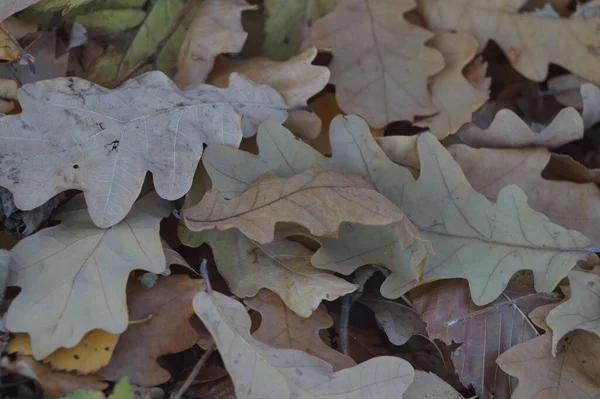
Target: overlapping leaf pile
{"type": "Point", "coordinates": [463, 229]}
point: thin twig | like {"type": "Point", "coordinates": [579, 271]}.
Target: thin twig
{"type": "Point", "coordinates": [174, 26]}
{"type": "Point", "coordinates": [192, 376]}
{"type": "Point", "coordinates": [204, 274]}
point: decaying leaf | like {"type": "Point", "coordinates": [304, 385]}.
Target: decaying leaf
{"type": "Point", "coordinates": [281, 266]}
{"type": "Point", "coordinates": [216, 29]}
{"type": "Point", "coordinates": [72, 276]}
{"type": "Point", "coordinates": [282, 328]}
{"type": "Point", "coordinates": [91, 354]}
{"type": "Point", "coordinates": [286, 22]}
{"type": "Point", "coordinates": [571, 205]}
{"type": "Point", "coordinates": [291, 373]}
{"type": "Point", "coordinates": [451, 92]}
{"type": "Point", "coordinates": [55, 383]}
{"type": "Point", "coordinates": [169, 306]}
{"type": "Point", "coordinates": [573, 373]}
{"type": "Point", "coordinates": [74, 134]}
{"type": "Point", "coordinates": [5, 260]}
{"type": "Point", "coordinates": [581, 311]}
{"type": "Point", "coordinates": [482, 332]}
{"type": "Point", "coordinates": [530, 42]}
{"type": "Point", "coordinates": [380, 63]}
{"type": "Point", "coordinates": [398, 321]}
{"type": "Point", "coordinates": [508, 130]}
{"type": "Point", "coordinates": [318, 199]}
{"type": "Point", "coordinates": [296, 80]}
{"type": "Point", "coordinates": [430, 386]}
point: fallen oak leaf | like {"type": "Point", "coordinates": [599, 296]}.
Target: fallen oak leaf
{"type": "Point", "coordinates": [282, 328]}
{"type": "Point", "coordinates": [281, 266]}
{"type": "Point", "coordinates": [291, 373]}
{"type": "Point", "coordinates": [11, 7]}
{"type": "Point", "coordinates": [398, 321]}
{"type": "Point", "coordinates": [530, 42]}
{"type": "Point", "coordinates": [91, 353]}
{"type": "Point", "coordinates": [216, 29]}
{"type": "Point", "coordinates": [104, 148]}
{"type": "Point", "coordinates": [168, 330]}
{"type": "Point", "coordinates": [58, 266]}
{"type": "Point", "coordinates": [430, 386]}
{"type": "Point", "coordinates": [380, 64]}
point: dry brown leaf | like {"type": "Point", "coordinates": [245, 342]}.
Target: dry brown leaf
{"type": "Point", "coordinates": [168, 330]}
{"type": "Point", "coordinates": [281, 266]}
{"type": "Point", "coordinates": [295, 79]}
{"type": "Point", "coordinates": [398, 321]}
{"type": "Point", "coordinates": [452, 94]}
{"type": "Point", "coordinates": [573, 373]}
{"type": "Point", "coordinates": [571, 205]}
{"type": "Point", "coordinates": [90, 354]}
{"type": "Point", "coordinates": [73, 134]}
{"type": "Point", "coordinates": [508, 130]}
{"type": "Point", "coordinates": [73, 276]}
{"type": "Point", "coordinates": [483, 332]}
{"type": "Point", "coordinates": [530, 42]}
{"type": "Point", "coordinates": [581, 311]}
{"type": "Point", "coordinates": [326, 108]}
{"type": "Point", "coordinates": [282, 328]}
{"type": "Point", "coordinates": [216, 29]}
{"type": "Point", "coordinates": [55, 383]}
{"type": "Point", "coordinates": [380, 64]}
{"type": "Point", "coordinates": [318, 199]}
{"type": "Point", "coordinates": [430, 386]}
{"type": "Point", "coordinates": [291, 373]}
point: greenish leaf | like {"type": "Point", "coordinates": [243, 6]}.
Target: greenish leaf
{"type": "Point", "coordinates": [111, 22]}
{"type": "Point", "coordinates": [122, 390]}
{"type": "Point", "coordinates": [53, 5]}
{"type": "Point", "coordinates": [285, 23]}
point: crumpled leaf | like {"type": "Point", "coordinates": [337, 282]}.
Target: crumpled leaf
{"type": "Point", "coordinates": [489, 170]}
{"type": "Point", "coordinates": [398, 321]}
{"type": "Point", "coordinates": [73, 134]}
{"type": "Point", "coordinates": [573, 373]}
{"type": "Point", "coordinates": [476, 74]}
{"type": "Point", "coordinates": [529, 42]}
{"type": "Point", "coordinates": [286, 22]}
{"type": "Point", "coordinates": [430, 386]}
{"type": "Point", "coordinates": [26, 223]}
{"type": "Point", "coordinates": [282, 328]}
{"type": "Point", "coordinates": [55, 383]}
{"type": "Point", "coordinates": [452, 94]}
{"type": "Point", "coordinates": [483, 332]}
{"type": "Point", "coordinates": [216, 29]}
{"type": "Point", "coordinates": [581, 311]}
{"type": "Point", "coordinates": [296, 80]}
{"type": "Point", "coordinates": [380, 63]}
{"type": "Point", "coordinates": [281, 266]}
{"type": "Point", "coordinates": [508, 130]}
{"type": "Point", "coordinates": [318, 199]}
{"type": "Point", "coordinates": [91, 353]}
{"type": "Point", "coordinates": [474, 239]}
{"type": "Point", "coordinates": [291, 373]}
{"type": "Point", "coordinates": [587, 98]}
{"type": "Point", "coordinates": [58, 267]}
{"type": "Point", "coordinates": [167, 331]}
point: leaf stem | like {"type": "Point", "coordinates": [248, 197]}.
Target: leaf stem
{"type": "Point", "coordinates": [192, 376]}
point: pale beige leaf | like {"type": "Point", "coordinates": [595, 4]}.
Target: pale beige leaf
{"type": "Point", "coordinates": [430, 386]}
{"type": "Point", "coordinates": [473, 238]}
{"type": "Point", "coordinates": [508, 130]}
{"type": "Point", "coordinates": [73, 276]}
{"type": "Point", "coordinates": [216, 29]}
{"type": "Point", "coordinates": [10, 7]}
{"type": "Point", "coordinates": [482, 332]}
{"type": "Point", "coordinates": [73, 134]}
{"type": "Point", "coordinates": [169, 304]}
{"type": "Point", "coordinates": [530, 42]}
{"type": "Point", "coordinates": [578, 93]}
{"type": "Point", "coordinates": [398, 321]}
{"type": "Point", "coordinates": [476, 74]}
{"type": "Point", "coordinates": [380, 62]}
{"type": "Point", "coordinates": [573, 373]}
{"type": "Point", "coordinates": [489, 170]}
{"type": "Point", "coordinates": [281, 266]}
{"type": "Point", "coordinates": [581, 311]}
{"type": "Point", "coordinates": [318, 199]}
{"type": "Point", "coordinates": [296, 80]}
{"type": "Point", "coordinates": [282, 328]}
{"type": "Point", "coordinates": [291, 373]}
{"type": "Point", "coordinates": [452, 94]}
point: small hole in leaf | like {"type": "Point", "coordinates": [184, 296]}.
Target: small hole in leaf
{"type": "Point", "coordinates": [75, 166]}
{"type": "Point", "coordinates": [76, 357]}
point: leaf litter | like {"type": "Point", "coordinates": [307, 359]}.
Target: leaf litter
{"type": "Point", "coordinates": [412, 249]}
